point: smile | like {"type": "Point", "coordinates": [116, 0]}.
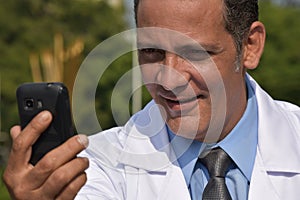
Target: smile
{"type": "Point", "coordinates": [182, 101]}
{"type": "Point", "coordinates": [176, 106]}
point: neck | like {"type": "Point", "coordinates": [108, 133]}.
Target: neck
{"type": "Point", "coordinates": [236, 106]}
{"type": "Point", "coordinates": [237, 110]}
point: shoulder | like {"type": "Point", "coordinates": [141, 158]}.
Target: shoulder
{"type": "Point", "coordinates": [271, 110]}
{"type": "Point", "coordinates": [105, 146]}
{"type": "Point", "coordinates": [291, 112]}
{"type": "Point", "coordinates": [288, 107]}
{"type": "Point", "coordinates": [108, 144]}
{"type": "Point", "coordinates": [265, 99]}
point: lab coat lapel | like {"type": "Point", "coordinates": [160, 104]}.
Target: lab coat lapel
{"type": "Point", "coordinates": [139, 149]}
{"type": "Point", "coordinates": [275, 136]}
{"type": "Point", "coordinates": [261, 187]}
{"type": "Point", "coordinates": [276, 133]}
{"type": "Point", "coordinates": [150, 162]}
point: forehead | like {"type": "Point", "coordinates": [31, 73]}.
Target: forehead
{"type": "Point", "coordinates": [175, 13]}
{"type": "Point", "coordinates": [199, 20]}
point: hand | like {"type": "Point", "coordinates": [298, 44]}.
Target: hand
{"type": "Point", "coordinates": [58, 175]}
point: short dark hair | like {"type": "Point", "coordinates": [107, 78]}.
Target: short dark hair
{"type": "Point", "coordinates": [238, 16]}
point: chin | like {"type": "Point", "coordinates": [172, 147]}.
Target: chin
{"type": "Point", "coordinates": [187, 127]}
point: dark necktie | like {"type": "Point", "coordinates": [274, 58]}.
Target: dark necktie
{"type": "Point", "coordinates": [217, 163]}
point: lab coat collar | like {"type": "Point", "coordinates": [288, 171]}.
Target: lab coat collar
{"type": "Point", "coordinates": [276, 135]}
{"type": "Point", "coordinates": [147, 145]}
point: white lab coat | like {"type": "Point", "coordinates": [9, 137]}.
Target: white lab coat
{"type": "Point", "coordinates": [137, 162]}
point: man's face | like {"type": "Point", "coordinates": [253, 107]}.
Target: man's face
{"type": "Point", "coordinates": [192, 83]}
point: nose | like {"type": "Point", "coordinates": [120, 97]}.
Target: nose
{"type": "Point", "coordinates": [173, 74]}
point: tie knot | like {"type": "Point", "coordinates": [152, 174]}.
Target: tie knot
{"type": "Point", "coordinates": [217, 162]}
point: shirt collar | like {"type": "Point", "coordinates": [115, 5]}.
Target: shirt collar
{"type": "Point", "coordinates": [240, 144]}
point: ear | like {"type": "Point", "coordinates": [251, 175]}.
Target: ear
{"type": "Point", "coordinates": [254, 45]}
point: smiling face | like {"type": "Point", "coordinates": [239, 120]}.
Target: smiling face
{"type": "Point", "coordinates": [181, 76]}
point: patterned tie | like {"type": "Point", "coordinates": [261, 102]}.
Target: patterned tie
{"type": "Point", "coordinates": [217, 163]}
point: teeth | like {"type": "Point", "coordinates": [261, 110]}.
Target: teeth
{"type": "Point", "coordinates": [186, 100]}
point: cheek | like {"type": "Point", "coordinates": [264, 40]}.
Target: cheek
{"type": "Point", "coordinates": [226, 65]}
{"type": "Point", "coordinates": [231, 78]}
{"type": "Point", "coordinates": [149, 73]}
{"type": "Point", "coordinates": [151, 89]}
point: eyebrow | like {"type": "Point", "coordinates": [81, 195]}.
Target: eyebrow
{"type": "Point", "coordinates": [205, 47]}
{"type": "Point", "coordinates": [143, 45]}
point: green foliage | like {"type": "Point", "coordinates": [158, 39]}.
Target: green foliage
{"type": "Point", "coordinates": [3, 191]}
{"type": "Point", "coordinates": [279, 71]}
{"type": "Point", "coordinates": [29, 26]}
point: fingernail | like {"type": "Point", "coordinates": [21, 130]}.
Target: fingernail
{"type": "Point", "coordinates": [44, 117]}
{"type": "Point", "coordinates": [83, 140]}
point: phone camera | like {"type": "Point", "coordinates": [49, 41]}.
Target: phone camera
{"type": "Point", "coordinates": [29, 103]}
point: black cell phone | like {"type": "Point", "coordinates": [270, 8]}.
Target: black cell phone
{"type": "Point", "coordinates": [35, 97]}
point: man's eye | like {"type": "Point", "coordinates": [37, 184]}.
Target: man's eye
{"type": "Point", "coordinates": [151, 55]}
{"type": "Point", "coordinates": [195, 54]}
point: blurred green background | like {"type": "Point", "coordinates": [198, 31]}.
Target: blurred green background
{"type": "Point", "coordinates": [42, 32]}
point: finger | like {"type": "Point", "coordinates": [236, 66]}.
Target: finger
{"type": "Point", "coordinates": [23, 141]}
{"type": "Point", "coordinates": [63, 176]}
{"type": "Point", "coordinates": [15, 132]}
{"type": "Point", "coordinates": [36, 127]}
{"type": "Point", "coordinates": [71, 190]}
{"type": "Point", "coordinates": [58, 157]}
{"type": "Point", "coordinates": [11, 165]}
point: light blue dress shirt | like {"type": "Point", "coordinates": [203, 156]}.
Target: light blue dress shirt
{"type": "Point", "coordinates": [240, 145]}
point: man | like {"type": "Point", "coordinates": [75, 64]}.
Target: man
{"type": "Point", "coordinates": [155, 155]}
